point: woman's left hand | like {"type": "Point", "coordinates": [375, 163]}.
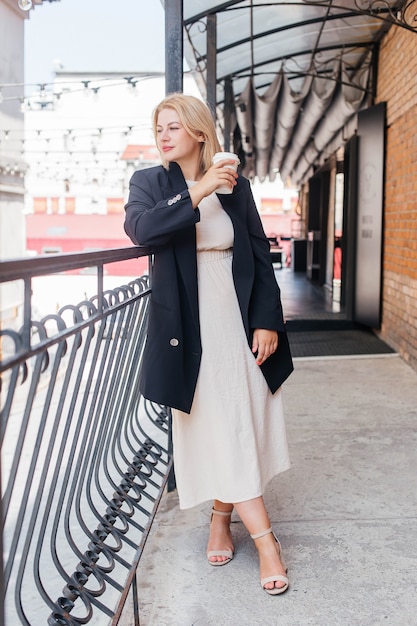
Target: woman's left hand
{"type": "Point", "coordinates": [265, 343]}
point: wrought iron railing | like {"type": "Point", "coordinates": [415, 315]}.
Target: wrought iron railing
{"type": "Point", "coordinates": [84, 458]}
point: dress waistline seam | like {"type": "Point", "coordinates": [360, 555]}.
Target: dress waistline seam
{"type": "Point", "coordinates": [214, 255]}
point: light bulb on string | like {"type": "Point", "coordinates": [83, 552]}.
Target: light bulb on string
{"type": "Point", "coordinates": [57, 98]}
{"type": "Point", "coordinates": [131, 84]}
{"type": "Point", "coordinates": [25, 5]}
{"type": "Point", "coordinates": [87, 90]}
{"type": "Point", "coordinates": [99, 137]}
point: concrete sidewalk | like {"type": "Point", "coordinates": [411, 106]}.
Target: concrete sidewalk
{"type": "Point", "coordinates": [346, 514]}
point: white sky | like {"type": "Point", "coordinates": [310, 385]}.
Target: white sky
{"type": "Point", "coordinates": [94, 35]}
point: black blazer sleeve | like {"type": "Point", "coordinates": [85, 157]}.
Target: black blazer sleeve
{"type": "Point", "coordinates": [154, 213]}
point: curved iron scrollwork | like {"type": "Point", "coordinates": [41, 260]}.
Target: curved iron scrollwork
{"type": "Point", "coordinates": [101, 559]}
{"type": "Point", "coordinates": [200, 59]}
{"type": "Point", "coordinates": [85, 459]}
{"type": "Point", "coordinates": [404, 16]}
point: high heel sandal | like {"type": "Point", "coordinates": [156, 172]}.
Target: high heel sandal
{"type": "Point", "coordinates": [276, 577]}
{"type": "Point", "coordinates": [226, 553]}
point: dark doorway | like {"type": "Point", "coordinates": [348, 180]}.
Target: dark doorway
{"type": "Point", "coordinates": [318, 204]}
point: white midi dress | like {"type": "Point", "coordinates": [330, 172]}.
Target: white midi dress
{"type": "Point", "coordinates": [233, 442]}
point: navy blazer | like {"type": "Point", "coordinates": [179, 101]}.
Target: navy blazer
{"type": "Point", "coordinates": [159, 214]}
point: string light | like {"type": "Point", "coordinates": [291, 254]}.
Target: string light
{"type": "Point", "coordinates": [82, 133]}
{"type": "Point", "coordinates": [87, 86]}
{"type": "Point", "coordinates": [15, 169]}
{"type": "Point", "coordinates": [50, 152]}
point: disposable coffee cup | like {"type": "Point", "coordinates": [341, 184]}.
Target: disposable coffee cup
{"type": "Point", "coordinates": [220, 156]}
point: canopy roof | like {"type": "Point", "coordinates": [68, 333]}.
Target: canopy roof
{"type": "Point", "coordinates": [296, 73]}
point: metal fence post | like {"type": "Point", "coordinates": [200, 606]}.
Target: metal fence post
{"type": "Point", "coordinates": [174, 46]}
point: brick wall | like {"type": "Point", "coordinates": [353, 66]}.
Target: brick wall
{"type": "Point", "coordinates": [397, 86]}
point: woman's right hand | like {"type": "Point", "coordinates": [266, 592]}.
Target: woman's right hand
{"type": "Point", "coordinates": [219, 174]}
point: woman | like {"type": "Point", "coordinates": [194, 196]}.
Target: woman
{"type": "Point", "coordinates": [214, 325]}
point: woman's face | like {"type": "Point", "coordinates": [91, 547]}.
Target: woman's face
{"type": "Point", "coordinates": [173, 141]}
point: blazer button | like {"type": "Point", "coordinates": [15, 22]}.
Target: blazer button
{"type": "Point", "coordinates": [174, 342]}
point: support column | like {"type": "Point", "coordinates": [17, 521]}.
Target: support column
{"type": "Point", "coordinates": [228, 111]}
{"type": "Point", "coordinates": [174, 46]}
{"type": "Point", "coordinates": [211, 63]}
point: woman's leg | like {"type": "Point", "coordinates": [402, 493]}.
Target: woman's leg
{"type": "Point", "coordinates": [254, 516]}
{"type": "Point", "coordinates": [220, 535]}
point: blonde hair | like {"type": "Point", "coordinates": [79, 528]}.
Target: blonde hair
{"type": "Point", "coordinates": [197, 120]}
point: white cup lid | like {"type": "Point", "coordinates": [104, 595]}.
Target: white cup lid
{"type": "Point", "coordinates": [226, 155]}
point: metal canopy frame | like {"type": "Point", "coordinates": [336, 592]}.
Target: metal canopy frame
{"type": "Point", "coordinates": [287, 78]}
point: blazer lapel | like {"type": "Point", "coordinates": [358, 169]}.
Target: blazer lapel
{"type": "Point", "coordinates": [185, 247]}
